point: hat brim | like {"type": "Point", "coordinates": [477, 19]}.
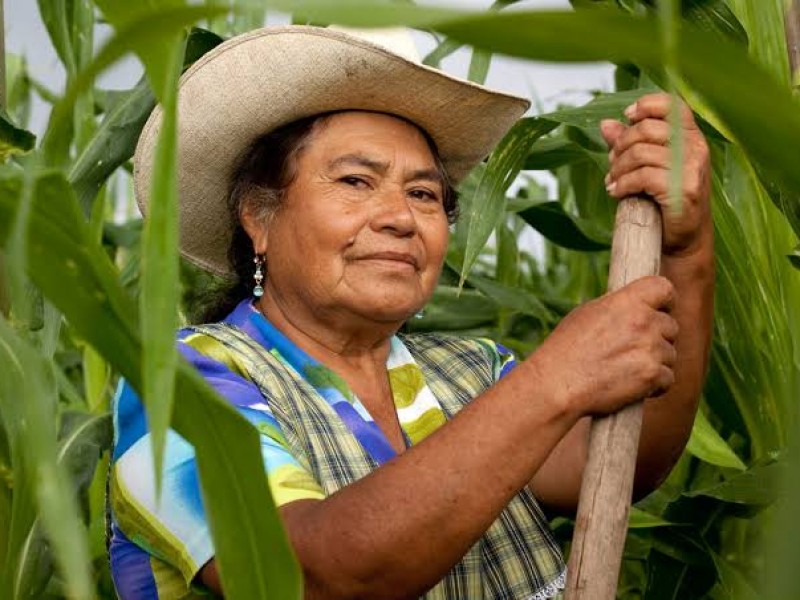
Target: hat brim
{"type": "Point", "coordinates": [257, 82]}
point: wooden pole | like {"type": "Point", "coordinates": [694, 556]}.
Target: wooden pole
{"type": "Point", "coordinates": [793, 39]}
{"type": "Point", "coordinates": [607, 487]}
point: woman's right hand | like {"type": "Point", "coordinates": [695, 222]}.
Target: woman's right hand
{"type": "Point", "coordinates": [612, 351]}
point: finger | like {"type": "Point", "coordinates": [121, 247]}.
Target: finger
{"type": "Point", "coordinates": [667, 325]}
{"type": "Point", "coordinates": [651, 131]}
{"type": "Point", "coordinates": [653, 181]}
{"type": "Point", "coordinates": [655, 291]}
{"type": "Point", "coordinates": [611, 131]}
{"type": "Point", "coordinates": [657, 106]}
{"type": "Point", "coordinates": [669, 354]}
{"type": "Point", "coordinates": [666, 379]}
{"type": "Point", "coordinates": [638, 156]}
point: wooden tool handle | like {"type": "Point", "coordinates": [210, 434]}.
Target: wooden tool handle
{"type": "Point", "coordinates": [607, 487]}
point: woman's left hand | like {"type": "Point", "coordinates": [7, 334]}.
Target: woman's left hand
{"type": "Point", "coordinates": [640, 161]}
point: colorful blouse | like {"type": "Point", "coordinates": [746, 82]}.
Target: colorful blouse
{"type": "Point", "coordinates": [316, 437]}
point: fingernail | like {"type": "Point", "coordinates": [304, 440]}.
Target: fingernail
{"type": "Point", "coordinates": [607, 180]}
{"type": "Point", "coordinates": [611, 156]}
{"type": "Point", "coordinates": [611, 187]}
{"type": "Point", "coordinates": [630, 112]}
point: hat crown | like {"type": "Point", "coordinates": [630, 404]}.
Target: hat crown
{"type": "Point", "coordinates": [397, 40]}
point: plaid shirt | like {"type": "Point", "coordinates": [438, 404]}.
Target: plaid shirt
{"type": "Point", "coordinates": [517, 558]}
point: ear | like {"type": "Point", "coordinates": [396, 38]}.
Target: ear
{"type": "Point", "coordinates": [256, 227]}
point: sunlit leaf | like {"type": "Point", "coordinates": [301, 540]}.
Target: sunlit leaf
{"type": "Point", "coordinates": [706, 444]}
{"type": "Point", "coordinates": [552, 221]}
{"type": "Point", "coordinates": [244, 523]}
{"type": "Point", "coordinates": [757, 486]}
{"type": "Point", "coordinates": [13, 140]}
{"type": "Point", "coordinates": [486, 207]}
{"type": "Point", "coordinates": [56, 503]}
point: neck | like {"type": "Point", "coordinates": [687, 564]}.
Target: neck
{"type": "Point", "coordinates": [345, 343]}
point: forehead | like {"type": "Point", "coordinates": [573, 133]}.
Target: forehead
{"type": "Point", "coordinates": [368, 131]}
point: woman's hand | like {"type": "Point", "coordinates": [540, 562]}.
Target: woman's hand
{"type": "Point", "coordinates": [613, 350]}
{"type": "Point", "coordinates": [640, 162]}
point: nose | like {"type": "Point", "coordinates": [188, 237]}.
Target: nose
{"type": "Point", "coordinates": [393, 214]}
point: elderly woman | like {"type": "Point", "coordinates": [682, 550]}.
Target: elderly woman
{"type": "Point", "coordinates": [403, 466]}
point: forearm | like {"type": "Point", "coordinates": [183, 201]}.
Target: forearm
{"type": "Point", "coordinates": [668, 419]}
{"type": "Point", "coordinates": [398, 531]}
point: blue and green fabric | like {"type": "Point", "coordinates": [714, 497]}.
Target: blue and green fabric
{"type": "Point", "coordinates": [316, 437]}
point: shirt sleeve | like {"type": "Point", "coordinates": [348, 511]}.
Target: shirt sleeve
{"type": "Point", "coordinates": [174, 529]}
{"type": "Point", "coordinates": [503, 359]}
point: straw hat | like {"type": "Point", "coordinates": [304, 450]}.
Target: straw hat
{"type": "Point", "coordinates": [257, 82]}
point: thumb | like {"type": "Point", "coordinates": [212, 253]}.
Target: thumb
{"type": "Point", "coordinates": [611, 131]}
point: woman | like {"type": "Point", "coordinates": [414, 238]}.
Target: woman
{"type": "Point", "coordinates": [403, 466]}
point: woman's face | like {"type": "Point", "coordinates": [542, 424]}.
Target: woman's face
{"type": "Point", "coordinates": [362, 230]}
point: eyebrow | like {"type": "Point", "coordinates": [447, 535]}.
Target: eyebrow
{"type": "Point", "coordinates": [381, 167]}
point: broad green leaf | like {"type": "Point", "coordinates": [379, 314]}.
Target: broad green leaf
{"type": "Point", "coordinates": [706, 444]}
{"type": "Point", "coordinates": [552, 221]}
{"type": "Point", "coordinates": [639, 519]}
{"type": "Point", "coordinates": [486, 207]}
{"type": "Point", "coordinates": [148, 27]}
{"type": "Point", "coordinates": [75, 273]}
{"type": "Point", "coordinates": [115, 140]}
{"type": "Point", "coordinates": [57, 17]}
{"type": "Point", "coordinates": [549, 153]}
{"type": "Point", "coordinates": [589, 115]}
{"type": "Point", "coordinates": [160, 295]}
{"type": "Point", "coordinates": [448, 310]}
{"type": "Point", "coordinates": [13, 140]}
{"type": "Point", "coordinates": [55, 500]}
{"type": "Point", "coordinates": [762, 19]}
{"type": "Point", "coordinates": [84, 438]}
{"type": "Point", "coordinates": [757, 486]}
{"type": "Point", "coordinates": [440, 52]}
{"type": "Point", "coordinates": [516, 299]}
{"type": "Point", "coordinates": [479, 66]}
{"type": "Point", "coordinates": [18, 93]}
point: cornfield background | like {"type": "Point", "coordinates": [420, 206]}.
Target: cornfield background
{"type": "Point", "coordinates": [86, 298]}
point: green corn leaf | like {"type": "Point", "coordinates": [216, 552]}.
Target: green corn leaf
{"type": "Point", "coordinates": [440, 52]}
{"type": "Point", "coordinates": [479, 66]}
{"type": "Point", "coordinates": [549, 153]}
{"type": "Point", "coordinates": [487, 205]}
{"type": "Point", "coordinates": [639, 519]}
{"type": "Point", "coordinates": [163, 61]}
{"type": "Point", "coordinates": [57, 17]}
{"type": "Point", "coordinates": [552, 221]}
{"type": "Point", "coordinates": [706, 444]}
{"type": "Point", "coordinates": [757, 486]}
{"type": "Point", "coordinates": [76, 274]}
{"type": "Point", "coordinates": [761, 20]}
{"type": "Point", "coordinates": [516, 299]}
{"type": "Point", "coordinates": [13, 140]}
{"type": "Point", "coordinates": [146, 27]}
{"type": "Point", "coordinates": [589, 115]}
{"type": "Point", "coordinates": [448, 310]}
{"type": "Point", "coordinates": [55, 500]}
{"type": "Point", "coordinates": [115, 140]}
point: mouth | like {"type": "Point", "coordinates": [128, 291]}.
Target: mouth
{"type": "Point", "coordinates": [399, 258]}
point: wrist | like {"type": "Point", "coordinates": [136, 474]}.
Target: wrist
{"type": "Point", "coordinates": [553, 389]}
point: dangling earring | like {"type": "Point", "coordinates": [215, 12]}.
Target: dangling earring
{"type": "Point", "coordinates": [258, 276]}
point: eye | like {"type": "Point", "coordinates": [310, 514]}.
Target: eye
{"type": "Point", "coordinates": [423, 194]}
{"type": "Point", "coordinates": [354, 181]}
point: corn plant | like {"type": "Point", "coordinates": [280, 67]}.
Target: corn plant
{"type": "Point", "coordinates": [87, 298]}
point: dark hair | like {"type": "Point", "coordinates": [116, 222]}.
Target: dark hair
{"type": "Point", "coordinates": [260, 183]}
